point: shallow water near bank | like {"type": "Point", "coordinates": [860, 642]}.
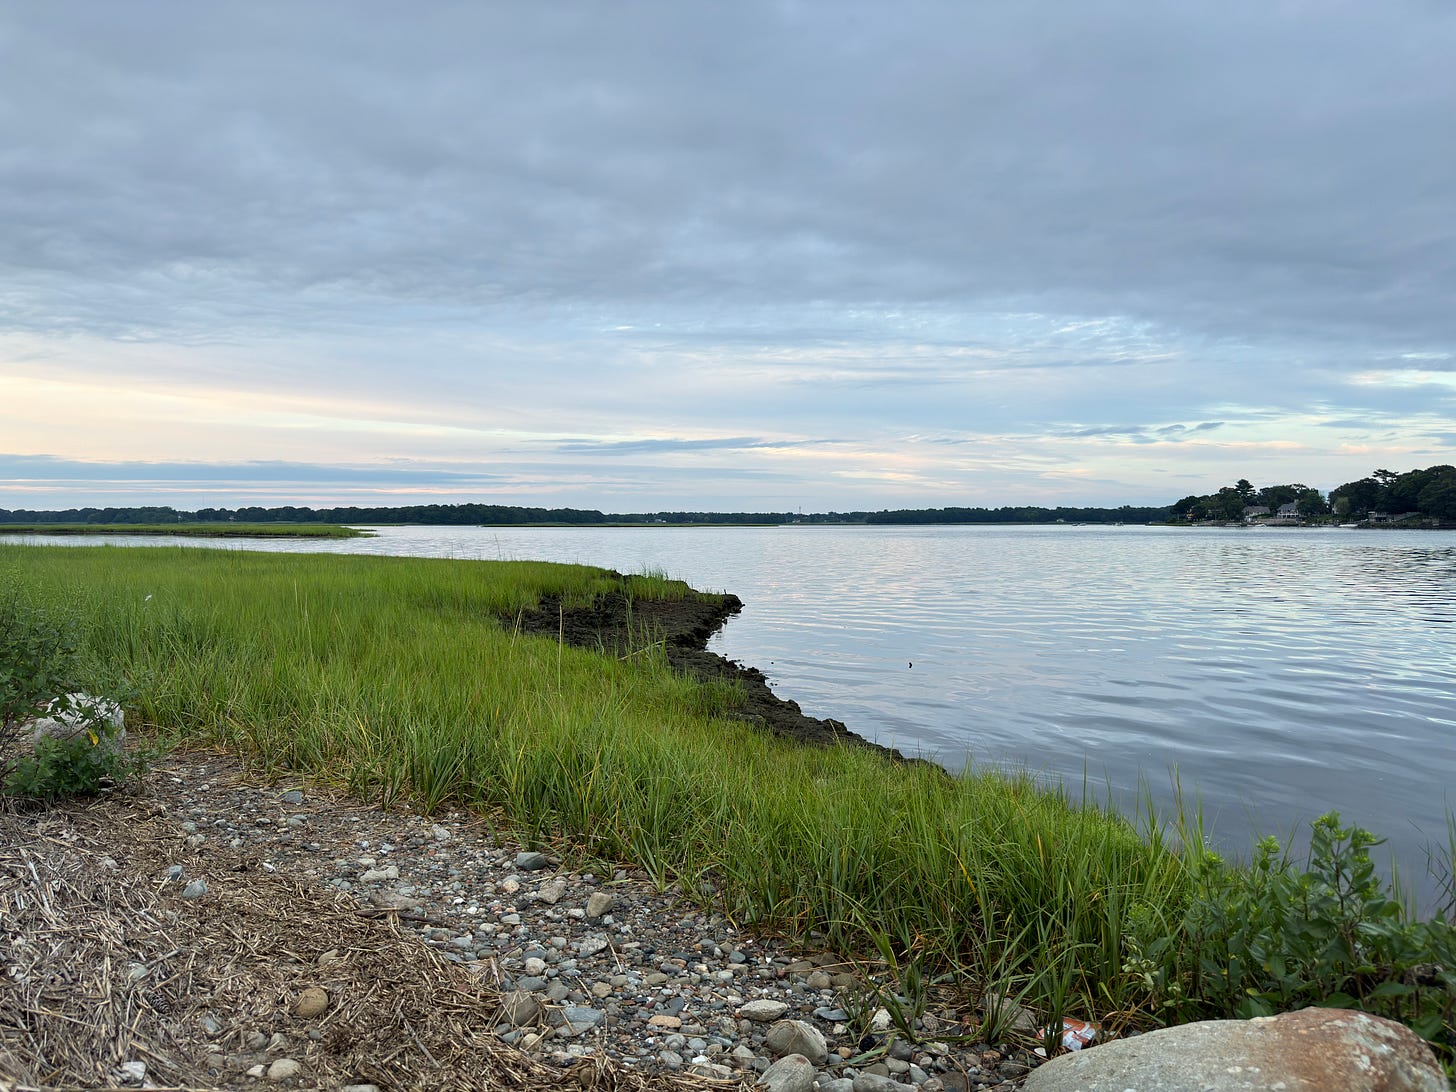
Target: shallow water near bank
{"type": "Point", "coordinates": [1278, 673]}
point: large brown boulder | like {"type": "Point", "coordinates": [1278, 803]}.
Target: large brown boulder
{"type": "Point", "coordinates": [1313, 1050]}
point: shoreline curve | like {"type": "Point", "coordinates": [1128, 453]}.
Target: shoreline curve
{"type": "Point", "coordinates": [615, 623]}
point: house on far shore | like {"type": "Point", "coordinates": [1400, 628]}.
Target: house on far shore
{"type": "Point", "coordinates": [1386, 517]}
{"type": "Point", "coordinates": [1255, 511]}
{"type": "Point", "coordinates": [1288, 511]}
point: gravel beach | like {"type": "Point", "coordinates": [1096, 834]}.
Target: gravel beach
{"type": "Point", "coordinates": [204, 927]}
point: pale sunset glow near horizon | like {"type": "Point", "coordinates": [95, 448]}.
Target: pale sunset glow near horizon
{"type": "Point", "coordinates": [751, 257]}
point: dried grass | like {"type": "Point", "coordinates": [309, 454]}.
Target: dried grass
{"type": "Point", "coordinates": [104, 962]}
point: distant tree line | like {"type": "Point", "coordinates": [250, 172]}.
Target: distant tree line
{"type": "Point", "coordinates": [431, 514]}
{"type": "Point", "coordinates": [476, 515]}
{"type": "Point", "coordinates": [1025, 514]}
{"type": "Point", "coordinates": [772, 519]}
{"type": "Point", "coordinates": [469, 515]}
{"type": "Point", "coordinates": [97, 515]}
{"type": "Point", "coordinates": [1429, 493]}
{"type": "Point", "coordinates": [1230, 502]}
{"type": "Point", "coordinates": [461, 514]}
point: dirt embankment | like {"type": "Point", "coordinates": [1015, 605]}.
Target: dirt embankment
{"type": "Point", "coordinates": [617, 625]}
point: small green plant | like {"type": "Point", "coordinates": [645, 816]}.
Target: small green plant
{"type": "Point", "coordinates": [1270, 938]}
{"type": "Point", "coordinates": [39, 678]}
{"type": "Point", "coordinates": [906, 995]}
{"type": "Point", "coordinates": [77, 765]}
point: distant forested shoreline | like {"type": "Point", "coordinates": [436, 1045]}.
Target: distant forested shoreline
{"type": "Point", "coordinates": [1429, 493]}
{"type": "Point", "coordinates": [475, 515]}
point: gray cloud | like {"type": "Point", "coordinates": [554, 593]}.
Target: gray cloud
{"type": "Point", "coordinates": [1272, 167]}
{"type": "Point", "coordinates": [661, 220]}
{"type": "Point", "coordinates": [45, 468]}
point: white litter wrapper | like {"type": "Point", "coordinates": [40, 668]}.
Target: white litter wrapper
{"type": "Point", "coordinates": [1076, 1033]}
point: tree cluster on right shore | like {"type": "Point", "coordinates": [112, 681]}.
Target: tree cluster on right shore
{"type": "Point", "coordinates": [1428, 493]}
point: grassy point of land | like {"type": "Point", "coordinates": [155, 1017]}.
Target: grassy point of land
{"type": "Point", "coordinates": [188, 530]}
{"type": "Point", "coordinates": [399, 677]}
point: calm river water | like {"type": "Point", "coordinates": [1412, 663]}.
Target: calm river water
{"type": "Point", "coordinates": [1278, 673]}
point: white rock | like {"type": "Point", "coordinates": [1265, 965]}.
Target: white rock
{"type": "Point", "coordinates": [313, 1001]}
{"type": "Point", "coordinates": [69, 716]}
{"type": "Point", "coordinates": [765, 1010]}
{"type": "Point", "coordinates": [520, 1008]}
{"type": "Point", "coordinates": [581, 1019]}
{"type": "Point", "coordinates": [283, 1069]}
{"type": "Point", "coordinates": [552, 892]}
{"type": "Point", "coordinates": [792, 1073]}
{"type": "Point", "coordinates": [599, 903]}
{"type": "Point", "coordinates": [797, 1037]}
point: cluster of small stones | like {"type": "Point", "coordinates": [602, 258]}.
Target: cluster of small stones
{"type": "Point", "coordinates": [589, 964]}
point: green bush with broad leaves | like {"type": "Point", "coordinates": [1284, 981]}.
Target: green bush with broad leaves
{"type": "Point", "coordinates": [39, 677]}
{"type": "Point", "coordinates": [1271, 938]}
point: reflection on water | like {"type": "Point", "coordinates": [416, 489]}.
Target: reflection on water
{"type": "Point", "coordinates": [1280, 673]}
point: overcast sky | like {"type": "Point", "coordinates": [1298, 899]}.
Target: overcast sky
{"type": "Point", "coordinates": [762, 256]}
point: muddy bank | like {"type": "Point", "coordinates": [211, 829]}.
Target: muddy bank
{"type": "Point", "coordinates": [616, 625]}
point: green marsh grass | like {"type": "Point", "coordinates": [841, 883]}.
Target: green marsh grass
{"type": "Point", "coordinates": [404, 677]}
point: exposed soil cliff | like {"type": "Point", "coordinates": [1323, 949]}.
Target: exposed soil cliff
{"type": "Point", "coordinates": [617, 624]}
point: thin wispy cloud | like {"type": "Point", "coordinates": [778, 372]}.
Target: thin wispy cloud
{"type": "Point", "coordinates": [1145, 433]}
{"type": "Point", "coordinates": [666, 444]}
{"type": "Point", "coordinates": [42, 468]}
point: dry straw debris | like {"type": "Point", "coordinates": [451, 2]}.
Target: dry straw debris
{"type": "Point", "coordinates": [105, 964]}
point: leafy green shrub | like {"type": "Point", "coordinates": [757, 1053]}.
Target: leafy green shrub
{"type": "Point", "coordinates": [1270, 938]}
{"type": "Point", "coordinates": [39, 678]}
{"type": "Point", "coordinates": [76, 765]}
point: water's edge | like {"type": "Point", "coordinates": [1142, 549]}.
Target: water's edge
{"type": "Point", "coordinates": [614, 622]}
